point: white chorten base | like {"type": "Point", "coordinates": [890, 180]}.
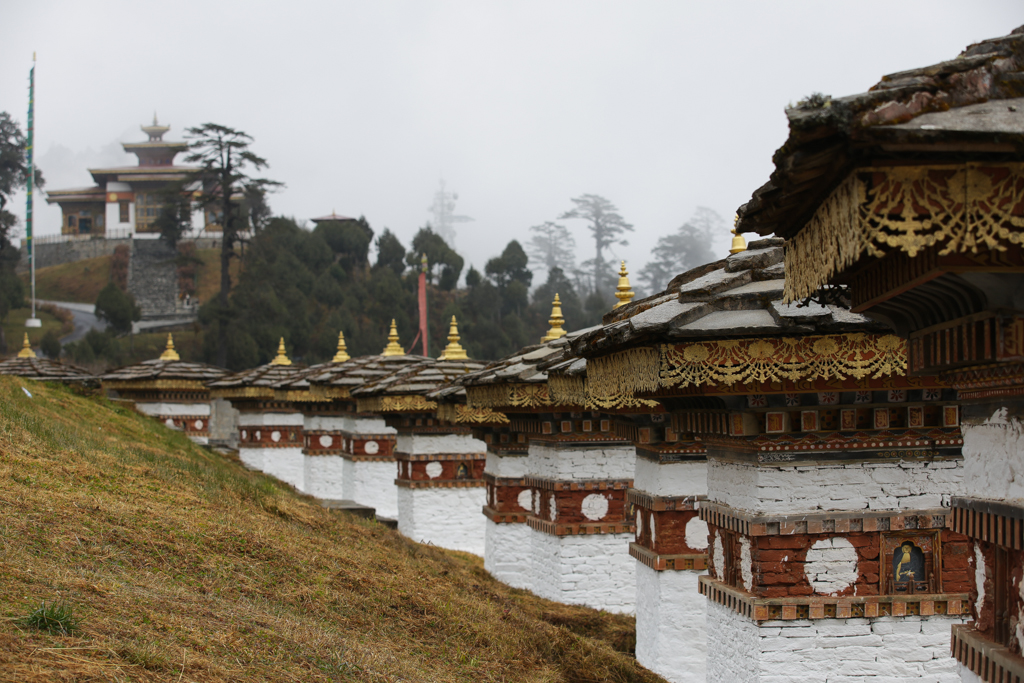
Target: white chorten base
{"type": "Point", "coordinates": [595, 570]}
{"type": "Point", "coordinates": [891, 649]}
{"type": "Point", "coordinates": [507, 553]}
{"type": "Point", "coordinates": [251, 457]}
{"type": "Point", "coordinates": [372, 483]}
{"type": "Point", "coordinates": [324, 476]}
{"type": "Point", "coordinates": [670, 616]}
{"type": "Point", "coordinates": [286, 464]}
{"type": "Point", "coordinates": [446, 517]}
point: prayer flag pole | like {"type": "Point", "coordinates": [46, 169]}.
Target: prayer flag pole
{"type": "Point", "coordinates": [32, 321]}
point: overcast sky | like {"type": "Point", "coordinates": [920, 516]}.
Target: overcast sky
{"type": "Point", "coordinates": [362, 107]}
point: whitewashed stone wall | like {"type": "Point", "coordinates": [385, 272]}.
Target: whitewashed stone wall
{"type": "Point", "coordinates": [251, 457]}
{"type": "Point", "coordinates": [968, 676]}
{"type": "Point", "coordinates": [510, 466]}
{"type": "Point", "coordinates": [671, 479]}
{"type": "Point", "coordinates": [270, 420]}
{"type": "Point", "coordinates": [223, 422]}
{"type": "Point", "coordinates": [507, 553]}
{"type": "Point", "coordinates": [569, 463]}
{"type": "Point", "coordinates": [830, 650]}
{"type": "Point", "coordinates": [371, 483]}
{"type": "Point", "coordinates": [287, 464]}
{"type": "Point", "coordinates": [429, 444]}
{"type": "Point", "coordinates": [324, 423]}
{"type": "Point", "coordinates": [595, 570]}
{"type": "Point", "coordinates": [173, 409]}
{"type": "Point", "coordinates": [367, 425]}
{"type": "Point", "coordinates": [994, 458]}
{"type": "Point", "coordinates": [670, 615]}
{"type": "Point", "coordinates": [860, 486]}
{"type": "Point", "coordinates": [446, 517]}
{"type": "Point", "coordinates": [324, 476]}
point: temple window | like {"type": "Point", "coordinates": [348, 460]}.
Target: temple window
{"type": "Point", "coordinates": [124, 217]}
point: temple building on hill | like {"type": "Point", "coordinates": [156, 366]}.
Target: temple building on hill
{"type": "Point", "coordinates": [127, 199]}
{"type": "Point", "coordinates": [911, 198]}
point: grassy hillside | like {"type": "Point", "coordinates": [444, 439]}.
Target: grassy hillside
{"type": "Point", "coordinates": [79, 282]}
{"type": "Point", "coordinates": [14, 328]}
{"type": "Point", "coordinates": [181, 566]}
{"type": "Point", "coordinates": [82, 281]}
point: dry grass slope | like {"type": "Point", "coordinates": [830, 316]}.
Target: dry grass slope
{"type": "Point", "coordinates": [80, 281]}
{"type": "Point", "coordinates": [182, 566]}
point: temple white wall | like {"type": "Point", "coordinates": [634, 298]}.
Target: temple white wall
{"type": "Point", "coordinates": [510, 466]}
{"type": "Point", "coordinates": [578, 462]}
{"type": "Point", "coordinates": [595, 570]}
{"type": "Point", "coordinates": [446, 517]}
{"type": "Point", "coordinates": [173, 409]}
{"type": "Point", "coordinates": [270, 419]}
{"type": "Point", "coordinates": [428, 444]}
{"type": "Point", "coordinates": [994, 458]}
{"type": "Point", "coordinates": [854, 486]}
{"type": "Point", "coordinates": [251, 457]}
{"type": "Point", "coordinates": [367, 425]}
{"type": "Point", "coordinates": [671, 479]}
{"type": "Point", "coordinates": [829, 650]}
{"type": "Point", "coordinates": [287, 464]}
{"type": "Point", "coordinates": [324, 476]}
{"type": "Point", "coordinates": [371, 483]}
{"type": "Point", "coordinates": [324, 423]}
{"type": "Point", "coordinates": [968, 676]}
{"type": "Point", "coordinates": [507, 553]}
{"type": "Point", "coordinates": [670, 616]}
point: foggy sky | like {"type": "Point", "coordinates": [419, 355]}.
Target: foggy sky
{"type": "Point", "coordinates": [362, 107]}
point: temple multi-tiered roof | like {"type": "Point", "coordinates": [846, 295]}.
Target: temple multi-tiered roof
{"type": "Point", "coordinates": [27, 365]}
{"type": "Point", "coordinates": [125, 197]}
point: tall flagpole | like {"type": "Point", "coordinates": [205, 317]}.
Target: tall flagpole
{"type": "Point", "coordinates": [33, 321]}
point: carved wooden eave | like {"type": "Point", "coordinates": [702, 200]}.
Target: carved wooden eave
{"type": "Point", "coordinates": [509, 397]}
{"type": "Point", "coordinates": [966, 210]}
{"type": "Point", "coordinates": [459, 413]}
{"type": "Point", "coordinates": [395, 404]}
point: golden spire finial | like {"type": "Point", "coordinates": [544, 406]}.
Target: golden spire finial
{"type": "Point", "coordinates": [454, 350]}
{"type": "Point", "coordinates": [26, 349]}
{"type": "Point", "coordinates": [738, 243]}
{"type": "Point", "coordinates": [556, 320]}
{"type": "Point", "coordinates": [281, 358]}
{"type": "Point", "coordinates": [342, 355]}
{"type": "Point", "coordinates": [393, 348]}
{"type": "Point", "coordinates": [623, 292]}
{"type": "Point", "coordinates": [169, 353]}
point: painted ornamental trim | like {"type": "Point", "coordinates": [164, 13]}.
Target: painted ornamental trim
{"type": "Point", "coordinates": [959, 208]}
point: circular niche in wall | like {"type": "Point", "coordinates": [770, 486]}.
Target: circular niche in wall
{"type": "Point", "coordinates": [594, 507]}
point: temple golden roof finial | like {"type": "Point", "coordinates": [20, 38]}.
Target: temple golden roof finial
{"type": "Point", "coordinates": [393, 348]}
{"type": "Point", "coordinates": [281, 358]}
{"type": "Point", "coordinates": [738, 242]}
{"type": "Point", "coordinates": [556, 320]}
{"type": "Point", "coordinates": [342, 355]}
{"type": "Point", "coordinates": [169, 353]}
{"type": "Point", "coordinates": [26, 349]}
{"type": "Point", "coordinates": [623, 292]}
{"type": "Point", "coordinates": [454, 350]}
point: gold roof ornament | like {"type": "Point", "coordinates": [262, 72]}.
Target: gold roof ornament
{"type": "Point", "coordinates": [169, 353]}
{"type": "Point", "coordinates": [342, 355]}
{"type": "Point", "coordinates": [282, 357]}
{"type": "Point", "coordinates": [454, 350]}
{"type": "Point", "coordinates": [738, 242]}
{"type": "Point", "coordinates": [556, 321]}
{"type": "Point", "coordinates": [26, 349]}
{"type": "Point", "coordinates": [393, 348]}
{"type": "Point", "coordinates": [623, 291]}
